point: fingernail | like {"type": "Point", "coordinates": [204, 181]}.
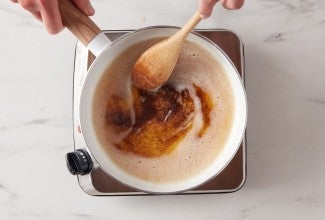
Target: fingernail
{"type": "Point", "coordinates": [204, 16]}
{"type": "Point", "coordinates": [91, 9]}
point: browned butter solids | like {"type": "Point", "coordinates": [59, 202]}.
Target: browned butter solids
{"type": "Point", "coordinates": [162, 119]}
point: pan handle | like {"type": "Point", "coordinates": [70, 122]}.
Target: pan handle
{"type": "Point", "coordinates": [87, 32]}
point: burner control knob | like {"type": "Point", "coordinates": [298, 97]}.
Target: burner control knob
{"type": "Point", "coordinates": [79, 162]}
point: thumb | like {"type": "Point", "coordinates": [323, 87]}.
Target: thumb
{"type": "Point", "coordinates": [206, 7]}
{"type": "Point", "coordinates": [85, 6]}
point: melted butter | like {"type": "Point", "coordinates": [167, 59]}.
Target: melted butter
{"type": "Point", "coordinates": [206, 107]}
{"type": "Point", "coordinates": [161, 119]}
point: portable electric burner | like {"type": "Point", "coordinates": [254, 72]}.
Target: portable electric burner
{"type": "Point", "coordinates": [94, 181]}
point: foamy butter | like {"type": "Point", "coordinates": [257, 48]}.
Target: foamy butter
{"type": "Point", "coordinates": [192, 154]}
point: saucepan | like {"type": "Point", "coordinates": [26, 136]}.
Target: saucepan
{"type": "Point", "coordinates": [106, 51]}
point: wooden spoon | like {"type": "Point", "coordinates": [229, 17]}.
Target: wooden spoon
{"type": "Point", "coordinates": [83, 27]}
{"type": "Point", "coordinates": [156, 64]}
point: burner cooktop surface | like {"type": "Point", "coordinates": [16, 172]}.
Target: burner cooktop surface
{"type": "Point", "coordinates": [97, 182]}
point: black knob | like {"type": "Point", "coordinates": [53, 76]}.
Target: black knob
{"type": "Point", "coordinates": [79, 162]}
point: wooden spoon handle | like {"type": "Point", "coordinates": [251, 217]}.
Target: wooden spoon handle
{"type": "Point", "coordinates": [188, 27]}
{"type": "Point", "coordinates": [77, 22]}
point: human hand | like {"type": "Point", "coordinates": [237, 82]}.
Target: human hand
{"type": "Point", "coordinates": [47, 11]}
{"type": "Point", "coordinates": [206, 6]}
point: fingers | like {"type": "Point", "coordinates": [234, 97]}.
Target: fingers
{"type": "Point", "coordinates": [38, 16]}
{"type": "Point", "coordinates": [205, 7]}
{"type": "Point", "coordinates": [51, 17]}
{"type": "Point", "coordinates": [47, 11]}
{"type": "Point", "coordinates": [232, 4]}
{"type": "Point", "coordinates": [85, 6]}
{"type": "Point", "coordinates": [30, 6]}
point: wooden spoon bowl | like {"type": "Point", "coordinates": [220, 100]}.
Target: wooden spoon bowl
{"type": "Point", "coordinates": [155, 65]}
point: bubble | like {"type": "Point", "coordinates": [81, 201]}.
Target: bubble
{"type": "Point", "coordinates": [195, 153]}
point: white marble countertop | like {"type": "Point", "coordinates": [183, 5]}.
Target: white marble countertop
{"type": "Point", "coordinates": [285, 70]}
